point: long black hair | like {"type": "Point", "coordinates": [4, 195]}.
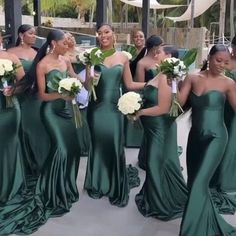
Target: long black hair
{"type": "Point", "coordinates": [28, 83]}
{"type": "Point", "coordinates": [151, 42]}
{"type": "Point", "coordinates": [216, 48]}
{"type": "Point", "coordinates": [22, 29]}
{"type": "Point", "coordinates": [171, 49]}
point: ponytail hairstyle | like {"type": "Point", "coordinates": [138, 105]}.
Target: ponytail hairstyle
{"type": "Point", "coordinates": [21, 30]}
{"type": "Point", "coordinates": [151, 42]}
{"type": "Point", "coordinates": [29, 83]}
{"type": "Point", "coordinates": [215, 49]}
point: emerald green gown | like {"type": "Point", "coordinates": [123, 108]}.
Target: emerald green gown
{"type": "Point", "coordinates": [57, 181]}
{"type": "Point", "coordinates": [56, 188]}
{"type": "Point", "coordinates": [224, 180]}
{"type": "Point", "coordinates": [12, 176]}
{"type": "Point", "coordinates": [164, 192]}
{"type": "Point", "coordinates": [150, 74]}
{"type": "Point", "coordinates": [205, 149]}
{"type": "Point", "coordinates": [34, 138]}
{"type": "Point", "coordinates": [106, 168]}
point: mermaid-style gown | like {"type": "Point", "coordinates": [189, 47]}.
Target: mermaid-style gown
{"type": "Point", "coordinates": [206, 145]}
{"type": "Point", "coordinates": [164, 192]}
{"type": "Point", "coordinates": [106, 169]}
{"type": "Point", "coordinates": [12, 176]}
{"type": "Point", "coordinates": [224, 180]}
{"type": "Point", "coordinates": [34, 138]}
{"type": "Point", "coordinates": [150, 74]}
{"type": "Point", "coordinates": [57, 181]}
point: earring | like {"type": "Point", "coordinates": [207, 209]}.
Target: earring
{"type": "Point", "coordinates": [21, 41]}
{"type": "Point", "coordinates": [52, 50]}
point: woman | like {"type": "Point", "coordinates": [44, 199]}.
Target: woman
{"type": "Point", "coordinates": [106, 169]}
{"type": "Point", "coordinates": [145, 71]}
{"type": "Point", "coordinates": [57, 181]}
{"type": "Point", "coordinates": [12, 178]}
{"type": "Point", "coordinates": [32, 130]}
{"type": "Point", "coordinates": [164, 192]}
{"type": "Point", "coordinates": [224, 180]}
{"type": "Point", "coordinates": [207, 92]}
{"type": "Point", "coordinates": [83, 132]}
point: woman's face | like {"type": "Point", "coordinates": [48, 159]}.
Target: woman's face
{"type": "Point", "coordinates": [29, 37]}
{"type": "Point", "coordinates": [160, 54]}
{"type": "Point", "coordinates": [70, 40]}
{"type": "Point", "coordinates": [219, 62]}
{"type": "Point", "coordinates": [61, 46]}
{"type": "Point", "coordinates": [139, 39]}
{"type": "Point", "coordinates": [105, 36]}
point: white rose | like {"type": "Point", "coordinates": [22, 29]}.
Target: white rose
{"type": "Point", "coordinates": [2, 70]}
{"type": "Point", "coordinates": [128, 55]}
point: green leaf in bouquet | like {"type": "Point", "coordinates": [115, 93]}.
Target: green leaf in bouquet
{"type": "Point", "coordinates": [189, 57]}
{"type": "Point", "coordinates": [229, 74]}
{"type": "Point", "coordinates": [130, 48]}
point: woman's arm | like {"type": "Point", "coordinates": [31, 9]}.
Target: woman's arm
{"type": "Point", "coordinates": [127, 78]}
{"type": "Point", "coordinates": [184, 90]}
{"type": "Point", "coordinates": [40, 72]}
{"type": "Point", "coordinates": [231, 94]}
{"type": "Point", "coordinates": [164, 99]}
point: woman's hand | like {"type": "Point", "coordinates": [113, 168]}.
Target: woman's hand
{"type": "Point", "coordinates": [8, 91]}
{"type": "Point", "coordinates": [67, 98]}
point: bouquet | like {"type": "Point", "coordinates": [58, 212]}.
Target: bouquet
{"type": "Point", "coordinates": [129, 103]}
{"type": "Point", "coordinates": [90, 57]}
{"type": "Point", "coordinates": [7, 75]}
{"type": "Point", "coordinates": [131, 49]}
{"type": "Point", "coordinates": [68, 87]}
{"type": "Point", "coordinates": [175, 69]}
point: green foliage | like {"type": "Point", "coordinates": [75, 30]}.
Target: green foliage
{"type": "Point", "coordinates": [190, 56]}
{"type": "Point", "coordinates": [129, 48]}
{"type": "Point", "coordinates": [66, 11]}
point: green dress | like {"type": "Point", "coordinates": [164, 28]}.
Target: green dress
{"type": "Point", "coordinates": [106, 169]}
{"type": "Point", "coordinates": [57, 182]}
{"type": "Point", "coordinates": [224, 180]}
{"type": "Point", "coordinates": [164, 192]}
{"type": "Point", "coordinates": [83, 132]}
{"type": "Point", "coordinates": [150, 74]}
{"type": "Point", "coordinates": [56, 188]}
{"type": "Point", "coordinates": [12, 177]}
{"type": "Point", "coordinates": [205, 149]}
{"type": "Point", "coordinates": [34, 138]}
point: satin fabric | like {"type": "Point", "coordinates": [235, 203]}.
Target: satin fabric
{"type": "Point", "coordinates": [164, 192]}
{"type": "Point", "coordinates": [34, 138]}
{"type": "Point", "coordinates": [205, 149]}
{"type": "Point", "coordinates": [55, 189]}
{"type": "Point", "coordinates": [224, 180]}
{"type": "Point", "coordinates": [150, 74]}
{"type": "Point", "coordinates": [106, 169]}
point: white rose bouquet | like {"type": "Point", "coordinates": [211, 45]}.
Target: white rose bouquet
{"type": "Point", "coordinates": [129, 103]}
{"type": "Point", "coordinates": [7, 75]}
{"type": "Point", "coordinates": [175, 70]}
{"type": "Point", "coordinates": [91, 57]}
{"type": "Point", "coordinates": [68, 87]}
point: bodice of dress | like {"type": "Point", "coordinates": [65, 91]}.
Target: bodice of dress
{"type": "Point", "coordinates": [26, 64]}
{"type": "Point", "coordinates": [208, 111]}
{"type": "Point", "coordinates": [60, 106]}
{"type": "Point", "coordinates": [109, 87]}
{"type": "Point", "coordinates": [150, 74]}
{"type": "Point", "coordinates": [150, 98]}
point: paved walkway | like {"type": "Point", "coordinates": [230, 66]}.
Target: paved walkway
{"type": "Point", "coordinates": [89, 217]}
